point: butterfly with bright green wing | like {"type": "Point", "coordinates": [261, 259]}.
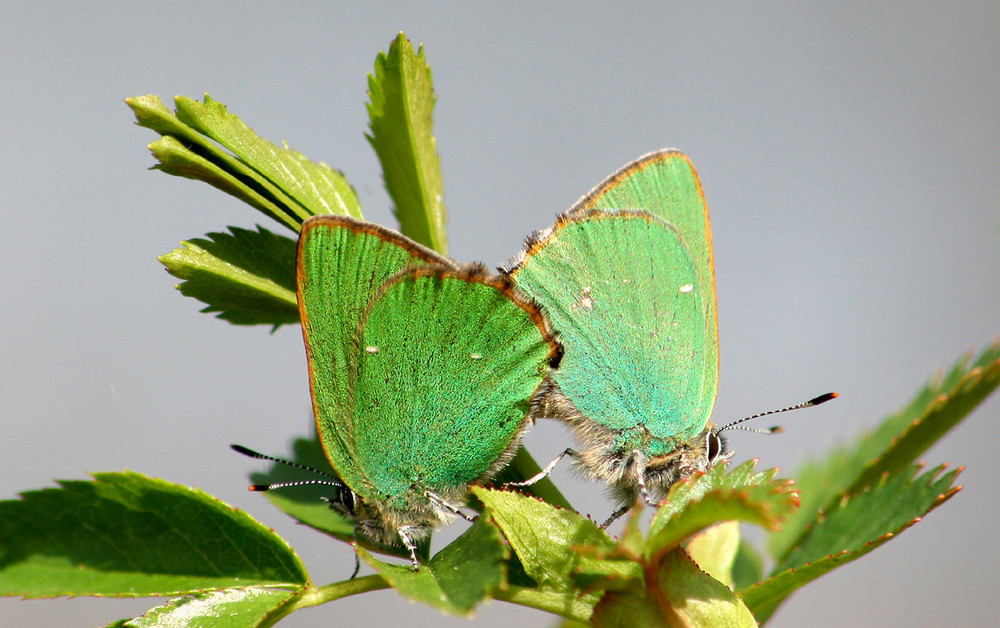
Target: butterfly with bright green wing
{"type": "Point", "coordinates": [422, 373]}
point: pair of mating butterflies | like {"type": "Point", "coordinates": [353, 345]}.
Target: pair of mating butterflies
{"type": "Point", "coordinates": [425, 372]}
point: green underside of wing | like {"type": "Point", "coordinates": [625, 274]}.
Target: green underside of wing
{"type": "Point", "coordinates": [665, 184]}
{"type": "Point", "coordinates": [640, 348]}
{"type": "Point", "coordinates": [445, 372]}
{"type": "Point", "coordinates": [341, 265]}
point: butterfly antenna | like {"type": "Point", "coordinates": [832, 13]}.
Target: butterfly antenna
{"type": "Point", "coordinates": [333, 481]}
{"type": "Point", "coordinates": [815, 401]}
{"type": "Point", "coordinates": [260, 488]}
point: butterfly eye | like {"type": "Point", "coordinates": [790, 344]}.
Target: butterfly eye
{"type": "Point", "coordinates": [713, 447]}
{"type": "Point", "coordinates": [346, 499]}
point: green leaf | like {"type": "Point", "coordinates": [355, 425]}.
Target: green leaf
{"type": "Point", "coordinates": [316, 187]}
{"type": "Point", "coordinates": [887, 507]}
{"type": "Point", "coordinates": [567, 604]}
{"type": "Point", "coordinates": [894, 444]}
{"type": "Point", "coordinates": [638, 582]}
{"type": "Point", "coordinates": [277, 181]}
{"type": "Point", "coordinates": [459, 577]}
{"type": "Point", "coordinates": [248, 277]}
{"type": "Point", "coordinates": [625, 609]}
{"type": "Point", "coordinates": [705, 499]}
{"type": "Point", "coordinates": [547, 540]}
{"type": "Point", "coordinates": [401, 118]}
{"type": "Point", "coordinates": [851, 529]}
{"type": "Point", "coordinates": [245, 607]}
{"type": "Point", "coordinates": [179, 160]}
{"type": "Point", "coordinates": [555, 547]}
{"type": "Point", "coordinates": [128, 535]}
{"type": "Point", "coordinates": [680, 594]}
{"type": "Point", "coordinates": [714, 550]}
{"type": "Point", "coordinates": [698, 599]}
{"type": "Point", "coordinates": [184, 152]}
{"type": "Point", "coordinates": [748, 566]}
{"type": "Point", "coordinates": [964, 388]}
{"type": "Point", "coordinates": [617, 569]}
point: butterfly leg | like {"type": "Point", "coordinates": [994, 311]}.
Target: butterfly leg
{"type": "Point", "coordinates": [547, 470]}
{"type": "Point", "coordinates": [405, 535]}
{"type": "Point", "coordinates": [441, 504]}
{"type": "Point", "coordinates": [640, 477]}
{"type": "Point", "coordinates": [615, 515]}
{"type": "Point", "coordinates": [639, 461]}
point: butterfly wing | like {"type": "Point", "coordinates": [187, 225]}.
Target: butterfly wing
{"type": "Point", "coordinates": [621, 289]}
{"type": "Point", "coordinates": [341, 264]}
{"type": "Point", "coordinates": [664, 183]}
{"type": "Point", "coordinates": [448, 362]}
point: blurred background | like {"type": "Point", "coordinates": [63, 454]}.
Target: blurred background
{"type": "Point", "coordinates": [850, 155]}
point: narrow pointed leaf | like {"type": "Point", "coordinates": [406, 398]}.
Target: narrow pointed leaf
{"type": "Point", "coordinates": [185, 152]}
{"type": "Point", "coordinates": [401, 118]}
{"type": "Point", "coordinates": [232, 177]}
{"type": "Point", "coordinates": [894, 444]}
{"type": "Point", "coordinates": [316, 187]}
{"type": "Point", "coordinates": [276, 181]}
{"type": "Point", "coordinates": [246, 607]}
{"type": "Point", "coordinates": [854, 527]}
{"type": "Point", "coordinates": [886, 507]}
{"type": "Point", "coordinates": [248, 277]}
{"type": "Point", "coordinates": [459, 577]}
{"type": "Point", "coordinates": [974, 381]}
{"type": "Point", "coordinates": [128, 535]}
{"type": "Point", "coordinates": [703, 500]}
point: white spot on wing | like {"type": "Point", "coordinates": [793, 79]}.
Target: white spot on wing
{"type": "Point", "coordinates": [372, 349]}
{"type": "Point", "coordinates": [586, 301]}
{"type": "Point", "coordinates": [686, 288]}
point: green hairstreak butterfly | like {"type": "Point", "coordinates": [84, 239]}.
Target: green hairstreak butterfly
{"type": "Point", "coordinates": [422, 372]}
{"type": "Point", "coordinates": [627, 278]}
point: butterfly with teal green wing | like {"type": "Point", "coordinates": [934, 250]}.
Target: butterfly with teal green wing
{"type": "Point", "coordinates": [627, 278]}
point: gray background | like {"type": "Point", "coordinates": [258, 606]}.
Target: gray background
{"type": "Point", "coordinates": [850, 156]}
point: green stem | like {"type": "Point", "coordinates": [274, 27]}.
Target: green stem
{"type": "Point", "coordinates": [344, 588]}
{"type": "Point", "coordinates": [327, 593]}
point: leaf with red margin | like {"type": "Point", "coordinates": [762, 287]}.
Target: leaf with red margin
{"type": "Point", "coordinates": [944, 402]}
{"type": "Point", "coordinates": [704, 500]}
{"type": "Point", "coordinates": [856, 526]}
